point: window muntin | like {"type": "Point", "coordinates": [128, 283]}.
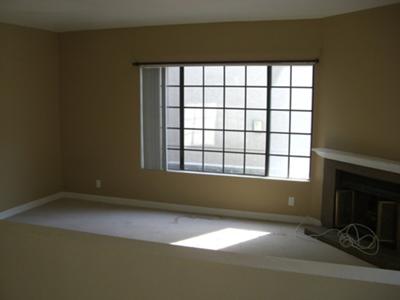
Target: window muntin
{"type": "Point", "coordinates": [242, 119]}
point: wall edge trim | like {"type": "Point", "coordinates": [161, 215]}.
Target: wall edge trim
{"type": "Point", "coordinates": [162, 206]}
{"type": "Point", "coordinates": [29, 205]}
{"type": "Point", "coordinates": [195, 209]}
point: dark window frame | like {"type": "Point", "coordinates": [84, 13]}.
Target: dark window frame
{"type": "Point", "coordinates": [267, 153]}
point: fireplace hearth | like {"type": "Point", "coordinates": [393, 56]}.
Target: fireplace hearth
{"type": "Point", "coordinates": [358, 193]}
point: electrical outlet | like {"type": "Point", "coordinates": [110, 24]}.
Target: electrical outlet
{"type": "Point", "coordinates": [98, 183]}
{"type": "Point", "coordinates": [291, 201]}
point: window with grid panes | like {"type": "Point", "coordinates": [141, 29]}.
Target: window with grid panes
{"type": "Point", "coordinates": [238, 119]}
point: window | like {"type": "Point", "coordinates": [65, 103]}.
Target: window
{"type": "Point", "coordinates": [235, 119]}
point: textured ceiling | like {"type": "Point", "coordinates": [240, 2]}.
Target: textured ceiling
{"type": "Point", "coordinates": [68, 15]}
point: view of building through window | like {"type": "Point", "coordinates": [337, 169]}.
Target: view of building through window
{"type": "Point", "coordinates": [240, 119]}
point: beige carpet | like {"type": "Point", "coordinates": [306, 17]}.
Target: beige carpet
{"type": "Point", "coordinates": [282, 239]}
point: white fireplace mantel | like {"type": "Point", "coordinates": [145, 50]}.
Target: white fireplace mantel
{"type": "Point", "coordinates": [359, 159]}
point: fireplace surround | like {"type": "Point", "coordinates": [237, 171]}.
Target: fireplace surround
{"type": "Point", "coordinates": [364, 190]}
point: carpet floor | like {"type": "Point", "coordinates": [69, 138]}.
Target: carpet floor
{"type": "Point", "coordinates": [224, 234]}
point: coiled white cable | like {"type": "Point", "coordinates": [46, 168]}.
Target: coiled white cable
{"type": "Point", "coordinates": [349, 236]}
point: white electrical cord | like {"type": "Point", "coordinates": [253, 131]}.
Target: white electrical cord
{"type": "Point", "coordinates": [349, 236]}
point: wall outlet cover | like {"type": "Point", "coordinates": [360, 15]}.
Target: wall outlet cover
{"type": "Point", "coordinates": [98, 183]}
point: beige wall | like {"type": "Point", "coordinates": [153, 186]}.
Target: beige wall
{"type": "Point", "coordinates": [356, 105]}
{"type": "Point", "coordinates": [358, 100]}
{"type": "Point", "coordinates": [100, 109]}
{"type": "Point", "coordinates": [100, 267]}
{"type": "Point", "coordinates": [29, 115]}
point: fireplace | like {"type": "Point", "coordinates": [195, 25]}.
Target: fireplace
{"type": "Point", "coordinates": [367, 201]}
{"type": "Point", "coordinates": [363, 190]}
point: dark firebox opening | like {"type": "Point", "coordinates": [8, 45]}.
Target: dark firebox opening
{"type": "Point", "coordinates": [369, 202]}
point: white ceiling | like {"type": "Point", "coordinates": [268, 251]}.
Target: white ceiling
{"type": "Point", "coordinates": [68, 15]}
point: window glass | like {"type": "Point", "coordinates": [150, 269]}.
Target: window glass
{"type": "Point", "coordinates": [234, 119]}
{"type": "Point", "coordinates": [300, 144]}
{"type": "Point", "coordinates": [228, 126]}
{"type": "Point", "coordinates": [193, 96]}
{"type": "Point", "coordinates": [255, 164]}
{"type": "Point", "coordinates": [234, 97]}
{"type": "Point", "coordinates": [173, 76]}
{"type": "Point", "coordinates": [193, 118]}
{"type": "Point", "coordinates": [214, 75]}
{"type": "Point", "coordinates": [299, 167]}
{"type": "Point", "coordinates": [255, 142]}
{"type": "Point", "coordinates": [213, 118]}
{"type": "Point", "coordinates": [302, 75]}
{"type": "Point", "coordinates": [302, 99]}
{"type": "Point", "coordinates": [280, 98]}
{"type": "Point", "coordinates": [278, 166]}
{"type": "Point", "coordinates": [213, 140]}
{"type": "Point", "coordinates": [213, 162]}
{"type": "Point", "coordinates": [234, 163]}
{"type": "Point", "coordinates": [301, 122]}
{"type": "Point", "coordinates": [234, 141]}
{"type": "Point", "coordinates": [257, 75]}
{"type": "Point", "coordinates": [193, 161]}
{"type": "Point", "coordinates": [213, 97]}
{"type": "Point", "coordinates": [173, 159]}
{"type": "Point", "coordinates": [173, 117]}
{"type": "Point", "coordinates": [193, 139]}
{"type": "Point", "coordinates": [256, 97]}
{"type": "Point", "coordinates": [279, 144]}
{"type": "Point", "coordinates": [173, 138]}
{"type": "Point", "coordinates": [173, 96]}
{"type": "Point", "coordinates": [256, 120]}
{"type": "Point", "coordinates": [234, 75]}
{"type": "Point", "coordinates": [280, 76]}
{"type": "Point", "coordinates": [279, 121]}
{"type": "Point", "coordinates": [193, 75]}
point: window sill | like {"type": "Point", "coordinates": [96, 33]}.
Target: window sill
{"type": "Point", "coordinates": [239, 176]}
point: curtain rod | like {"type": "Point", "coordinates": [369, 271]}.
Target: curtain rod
{"type": "Point", "coordinates": [304, 61]}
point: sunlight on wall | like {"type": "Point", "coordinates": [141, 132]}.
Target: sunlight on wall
{"type": "Point", "coordinates": [221, 239]}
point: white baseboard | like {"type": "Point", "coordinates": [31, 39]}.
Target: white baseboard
{"type": "Point", "coordinates": [195, 209]}
{"type": "Point", "coordinates": [27, 206]}
{"type": "Point", "coordinates": [162, 206]}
